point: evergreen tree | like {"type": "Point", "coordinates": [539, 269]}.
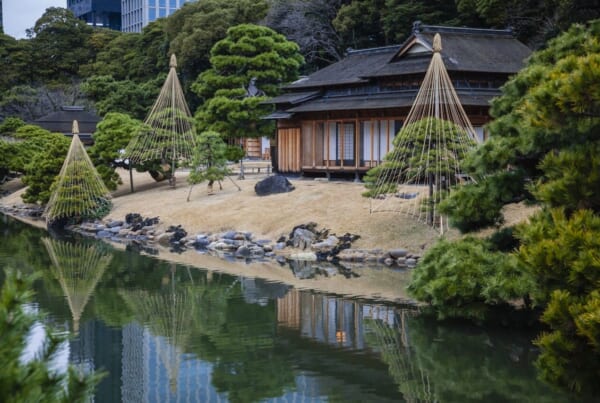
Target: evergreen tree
{"type": "Point", "coordinates": [209, 161]}
{"type": "Point", "coordinates": [40, 157]}
{"type": "Point", "coordinates": [442, 141]}
{"type": "Point", "coordinates": [248, 52]}
{"type": "Point", "coordinates": [112, 135]}
{"type": "Point", "coordinates": [544, 147]}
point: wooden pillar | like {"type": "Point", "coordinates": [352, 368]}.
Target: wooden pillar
{"type": "Point", "coordinates": [314, 143]}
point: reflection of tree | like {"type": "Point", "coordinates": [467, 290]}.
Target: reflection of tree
{"type": "Point", "coordinates": [78, 268]}
{"type": "Point", "coordinates": [248, 365]}
{"type": "Point", "coordinates": [472, 365]}
{"type": "Point", "coordinates": [18, 245]}
{"type": "Point", "coordinates": [240, 339]}
{"type": "Point", "coordinates": [168, 313]}
{"type": "Point", "coordinates": [391, 342]}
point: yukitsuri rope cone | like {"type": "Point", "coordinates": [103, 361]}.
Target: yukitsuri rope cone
{"type": "Point", "coordinates": [167, 139]}
{"type": "Point", "coordinates": [425, 161]}
{"type": "Point", "coordinates": [78, 268]}
{"type": "Point", "coordinates": [79, 193]}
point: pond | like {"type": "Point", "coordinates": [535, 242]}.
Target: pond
{"type": "Point", "coordinates": [171, 333]}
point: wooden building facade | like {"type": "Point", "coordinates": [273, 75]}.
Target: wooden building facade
{"type": "Point", "coordinates": [342, 119]}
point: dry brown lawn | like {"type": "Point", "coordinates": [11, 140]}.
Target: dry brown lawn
{"type": "Point", "coordinates": [336, 205]}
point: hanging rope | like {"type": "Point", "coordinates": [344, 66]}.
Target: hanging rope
{"type": "Point", "coordinates": [79, 192]}
{"type": "Point", "coordinates": [425, 161]}
{"type": "Point", "coordinates": [168, 135]}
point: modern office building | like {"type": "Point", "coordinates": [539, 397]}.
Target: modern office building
{"type": "Point", "coordinates": [102, 13]}
{"type": "Point", "coordinates": [136, 14]}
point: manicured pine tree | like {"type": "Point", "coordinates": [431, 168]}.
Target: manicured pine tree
{"type": "Point", "coordinates": [79, 192]}
{"type": "Point", "coordinates": [209, 160]}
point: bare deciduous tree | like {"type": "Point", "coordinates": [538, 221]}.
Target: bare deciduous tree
{"type": "Point", "coordinates": [308, 23]}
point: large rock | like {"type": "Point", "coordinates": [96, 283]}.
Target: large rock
{"type": "Point", "coordinates": [273, 184]}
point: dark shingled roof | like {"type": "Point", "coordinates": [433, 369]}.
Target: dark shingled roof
{"type": "Point", "coordinates": [292, 98]}
{"type": "Point", "coordinates": [62, 121]}
{"type": "Point", "coordinates": [349, 70]}
{"type": "Point", "coordinates": [278, 115]}
{"type": "Point", "coordinates": [463, 49]}
{"type": "Point", "coordinates": [387, 100]}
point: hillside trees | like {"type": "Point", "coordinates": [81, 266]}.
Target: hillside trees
{"type": "Point", "coordinates": [371, 23]}
{"type": "Point", "coordinates": [196, 27]}
{"type": "Point", "coordinates": [122, 96]}
{"type": "Point", "coordinates": [248, 51]}
{"type": "Point", "coordinates": [59, 45]}
{"type": "Point", "coordinates": [534, 22]}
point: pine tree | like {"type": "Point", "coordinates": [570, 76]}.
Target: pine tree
{"type": "Point", "coordinates": [209, 160]}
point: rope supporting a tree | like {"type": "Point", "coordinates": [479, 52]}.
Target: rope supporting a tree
{"type": "Point", "coordinates": [424, 163]}
{"type": "Point", "coordinates": [79, 191]}
{"type": "Point", "coordinates": [168, 134]}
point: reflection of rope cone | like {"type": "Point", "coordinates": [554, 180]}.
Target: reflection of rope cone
{"type": "Point", "coordinates": [167, 315]}
{"type": "Point", "coordinates": [78, 268]}
{"type": "Point", "coordinates": [412, 382]}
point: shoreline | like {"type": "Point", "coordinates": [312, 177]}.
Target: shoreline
{"type": "Point", "coordinates": [336, 207]}
{"type": "Point", "coordinates": [379, 283]}
{"type": "Point", "coordinates": [376, 284]}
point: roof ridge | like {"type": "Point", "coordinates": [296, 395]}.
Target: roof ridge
{"type": "Point", "coordinates": [350, 51]}
{"type": "Point", "coordinates": [421, 28]}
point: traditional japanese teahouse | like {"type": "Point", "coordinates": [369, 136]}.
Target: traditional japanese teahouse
{"type": "Point", "coordinates": [342, 119]}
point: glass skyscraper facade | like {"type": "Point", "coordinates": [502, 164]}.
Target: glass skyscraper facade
{"type": "Point", "coordinates": [136, 14]}
{"type": "Point", "coordinates": [102, 13]}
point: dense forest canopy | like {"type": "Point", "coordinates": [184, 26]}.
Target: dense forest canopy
{"type": "Point", "coordinates": [64, 61]}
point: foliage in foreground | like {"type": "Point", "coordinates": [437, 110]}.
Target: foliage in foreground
{"type": "Point", "coordinates": [33, 380]}
{"type": "Point", "coordinates": [546, 136]}
{"type": "Point", "coordinates": [563, 254]}
{"type": "Point", "coordinates": [467, 279]}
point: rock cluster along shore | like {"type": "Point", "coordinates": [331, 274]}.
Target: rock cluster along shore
{"type": "Point", "coordinates": [305, 244]}
{"type": "Point", "coordinates": [309, 251]}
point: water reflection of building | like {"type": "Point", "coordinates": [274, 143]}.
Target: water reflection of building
{"type": "Point", "coordinates": [154, 370]}
{"type": "Point", "coordinates": [97, 347]}
{"type": "Point", "coordinates": [323, 335]}
{"type": "Point", "coordinates": [330, 319]}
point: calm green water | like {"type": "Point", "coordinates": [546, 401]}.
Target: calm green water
{"type": "Point", "coordinates": [169, 333]}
